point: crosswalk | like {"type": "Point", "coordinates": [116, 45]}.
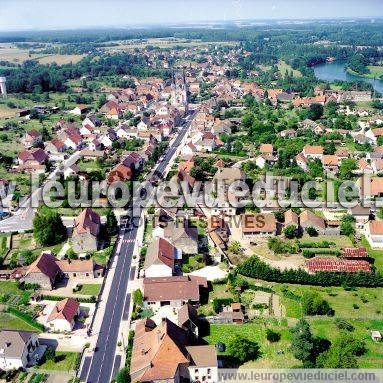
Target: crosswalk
{"type": "Point", "coordinates": [127, 240]}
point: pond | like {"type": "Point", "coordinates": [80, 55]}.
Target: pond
{"type": "Point", "coordinates": [336, 70]}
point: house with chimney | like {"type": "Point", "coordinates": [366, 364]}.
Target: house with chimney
{"type": "Point", "coordinates": [63, 315]}
{"type": "Point", "coordinates": [172, 291]}
{"type": "Point", "coordinates": [17, 349]}
{"type": "Point", "coordinates": [165, 352]}
{"type": "Point", "coordinates": [86, 231]}
{"type": "Point", "coordinates": [32, 138]}
{"type": "Point", "coordinates": [44, 272]}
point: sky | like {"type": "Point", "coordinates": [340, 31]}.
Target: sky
{"type": "Point", "coordinates": [66, 14]}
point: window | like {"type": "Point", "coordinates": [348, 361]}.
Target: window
{"type": "Point", "coordinates": [195, 370]}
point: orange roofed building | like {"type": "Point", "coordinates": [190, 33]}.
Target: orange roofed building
{"type": "Point", "coordinates": [165, 353]}
{"type": "Point", "coordinates": [62, 317]}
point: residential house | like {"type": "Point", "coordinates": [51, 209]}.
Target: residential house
{"type": "Point", "coordinates": [111, 110]}
{"type": "Point", "coordinates": [163, 353]}
{"type": "Point", "coordinates": [32, 138]}
{"type": "Point", "coordinates": [374, 234]}
{"type": "Point", "coordinates": [183, 236]}
{"type": "Point", "coordinates": [86, 231]}
{"type": "Point", "coordinates": [173, 291]}
{"type": "Point", "coordinates": [44, 272]}
{"type": "Point", "coordinates": [80, 110]}
{"type": "Point", "coordinates": [308, 219]}
{"type": "Point", "coordinates": [62, 317]}
{"type": "Point", "coordinates": [162, 259]}
{"type": "Point", "coordinates": [16, 349]}
{"type": "Point", "coordinates": [313, 152]}
{"type": "Point", "coordinates": [78, 268]}
{"type": "Point", "coordinates": [33, 160]}
{"type": "Point", "coordinates": [262, 224]}
{"type": "Point", "coordinates": [120, 173]}
{"type": "Point", "coordinates": [361, 215]}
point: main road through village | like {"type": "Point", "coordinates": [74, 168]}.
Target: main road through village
{"type": "Point", "coordinates": [100, 367]}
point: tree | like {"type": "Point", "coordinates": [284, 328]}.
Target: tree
{"type": "Point", "coordinates": [123, 376]}
{"type": "Point", "coordinates": [290, 231]}
{"type": "Point", "coordinates": [138, 298]}
{"type": "Point", "coordinates": [342, 353]}
{"type": "Point", "coordinates": [243, 349]}
{"type": "Point", "coordinates": [346, 168]}
{"type": "Point", "coordinates": [111, 222]}
{"type": "Point", "coordinates": [48, 229]}
{"type": "Point", "coordinates": [302, 342]}
{"type": "Point", "coordinates": [313, 304]}
{"type": "Point", "coordinates": [347, 225]}
{"type": "Point", "coordinates": [315, 112]}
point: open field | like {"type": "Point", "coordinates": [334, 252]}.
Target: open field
{"type": "Point", "coordinates": [13, 54]}
{"type": "Point", "coordinates": [283, 67]}
{"type": "Point", "coordinates": [326, 328]}
{"type": "Point", "coordinates": [375, 72]}
{"type": "Point", "coordinates": [161, 43]}
{"type": "Point", "coordinates": [256, 331]}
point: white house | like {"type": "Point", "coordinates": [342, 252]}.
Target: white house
{"type": "Point", "coordinates": [62, 317]}
{"type": "Point", "coordinates": [16, 348]}
{"type": "Point", "coordinates": [203, 365]}
{"type": "Point", "coordinates": [161, 258]}
{"type": "Point", "coordinates": [188, 149]}
{"type": "Point", "coordinates": [374, 234]}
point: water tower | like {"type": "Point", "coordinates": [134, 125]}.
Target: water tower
{"type": "Point", "coordinates": [3, 87]}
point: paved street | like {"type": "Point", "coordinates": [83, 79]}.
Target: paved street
{"type": "Point", "coordinates": [104, 364]}
{"type": "Point", "coordinates": [23, 217]}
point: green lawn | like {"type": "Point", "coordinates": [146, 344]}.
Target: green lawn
{"type": "Point", "coordinates": [89, 289]}
{"type": "Point", "coordinates": [10, 322]}
{"type": "Point", "coordinates": [369, 301]}
{"type": "Point", "coordinates": [256, 331]}
{"type": "Point", "coordinates": [326, 328]}
{"type": "Point", "coordinates": [64, 361]}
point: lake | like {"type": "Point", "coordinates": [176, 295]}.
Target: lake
{"type": "Point", "coordinates": [336, 70]}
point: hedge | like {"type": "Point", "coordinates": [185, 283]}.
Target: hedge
{"type": "Point", "coordinates": [255, 268]}
{"type": "Point", "coordinates": [26, 318]}
{"type": "Point", "coordinates": [92, 299]}
{"type": "Point", "coordinates": [310, 253]}
{"type": "Point", "coordinates": [312, 245]}
{"type": "Point", "coordinates": [219, 302]}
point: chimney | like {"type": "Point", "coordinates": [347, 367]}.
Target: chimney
{"type": "Point", "coordinates": [158, 336]}
{"type": "Point", "coordinates": [142, 351]}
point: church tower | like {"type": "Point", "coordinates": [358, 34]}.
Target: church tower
{"type": "Point", "coordinates": [179, 94]}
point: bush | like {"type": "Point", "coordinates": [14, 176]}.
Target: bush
{"type": "Point", "coordinates": [272, 336]}
{"type": "Point", "coordinates": [344, 325]}
{"type": "Point", "coordinates": [312, 232]}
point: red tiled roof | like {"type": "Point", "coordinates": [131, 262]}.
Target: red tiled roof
{"type": "Point", "coordinates": [87, 221]}
{"type": "Point", "coordinates": [65, 309]}
{"type": "Point", "coordinates": [45, 264]}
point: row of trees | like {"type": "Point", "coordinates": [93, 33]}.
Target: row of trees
{"type": "Point", "coordinates": [255, 268]}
